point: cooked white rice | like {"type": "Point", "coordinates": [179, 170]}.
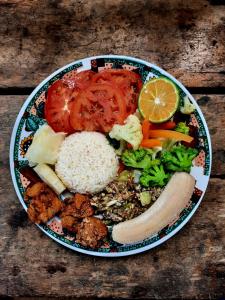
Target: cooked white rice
{"type": "Point", "coordinates": [86, 162]}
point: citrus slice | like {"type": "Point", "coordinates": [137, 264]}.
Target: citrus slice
{"type": "Point", "coordinates": [158, 100]}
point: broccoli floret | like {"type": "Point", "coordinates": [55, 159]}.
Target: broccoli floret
{"type": "Point", "coordinates": [187, 107]}
{"type": "Point", "coordinates": [182, 127]}
{"type": "Point", "coordinates": [130, 132]}
{"type": "Point", "coordinates": [179, 158]}
{"type": "Point", "coordinates": [140, 159]}
{"type": "Point", "coordinates": [121, 149]}
{"type": "Point", "coordinates": [155, 176]}
{"type": "Point", "coordinates": [168, 144]}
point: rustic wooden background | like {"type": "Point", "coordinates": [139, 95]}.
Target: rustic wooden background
{"type": "Point", "coordinates": [187, 38]}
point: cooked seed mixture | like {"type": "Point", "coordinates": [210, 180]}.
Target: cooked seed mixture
{"type": "Point", "coordinates": [120, 201]}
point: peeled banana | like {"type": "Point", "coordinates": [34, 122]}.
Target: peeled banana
{"type": "Point", "coordinates": [168, 206]}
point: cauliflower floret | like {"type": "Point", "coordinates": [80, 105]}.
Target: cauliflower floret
{"type": "Point", "coordinates": [187, 107]}
{"type": "Point", "coordinates": [130, 132]}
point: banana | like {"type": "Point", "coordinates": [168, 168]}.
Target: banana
{"type": "Point", "coordinates": [50, 178]}
{"type": "Point", "coordinates": [168, 206]}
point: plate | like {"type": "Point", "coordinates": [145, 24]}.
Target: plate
{"type": "Point", "coordinates": [30, 118]}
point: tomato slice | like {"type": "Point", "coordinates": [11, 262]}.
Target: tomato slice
{"type": "Point", "coordinates": [58, 104]}
{"type": "Point", "coordinates": [82, 79]}
{"type": "Point", "coordinates": [92, 101]}
{"type": "Point", "coordinates": [60, 96]}
{"type": "Point", "coordinates": [129, 82]}
{"type": "Point", "coordinates": [98, 108]}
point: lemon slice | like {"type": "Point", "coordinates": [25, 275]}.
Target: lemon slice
{"type": "Point", "coordinates": [158, 100]}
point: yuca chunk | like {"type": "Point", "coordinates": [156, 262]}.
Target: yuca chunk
{"type": "Point", "coordinates": [91, 232]}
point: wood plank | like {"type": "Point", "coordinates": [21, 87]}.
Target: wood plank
{"type": "Point", "coordinates": [184, 37]}
{"type": "Point", "coordinates": [190, 265]}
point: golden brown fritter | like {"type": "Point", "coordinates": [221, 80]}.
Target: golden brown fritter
{"type": "Point", "coordinates": [70, 223]}
{"type": "Point", "coordinates": [74, 210]}
{"type": "Point", "coordinates": [35, 189]}
{"type": "Point", "coordinates": [44, 203]}
{"type": "Point", "coordinates": [79, 207]}
{"type": "Point", "coordinates": [91, 232]}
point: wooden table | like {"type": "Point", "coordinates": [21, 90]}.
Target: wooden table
{"type": "Point", "coordinates": [187, 38]}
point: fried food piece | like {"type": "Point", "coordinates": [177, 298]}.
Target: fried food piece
{"type": "Point", "coordinates": [75, 208]}
{"type": "Point", "coordinates": [70, 223]}
{"type": "Point", "coordinates": [35, 190]}
{"type": "Point", "coordinates": [79, 207]}
{"type": "Point", "coordinates": [44, 204]}
{"type": "Point", "coordinates": [91, 232]}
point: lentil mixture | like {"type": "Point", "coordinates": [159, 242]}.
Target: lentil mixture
{"type": "Point", "coordinates": [120, 201]}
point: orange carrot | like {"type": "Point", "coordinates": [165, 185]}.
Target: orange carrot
{"type": "Point", "coordinates": [166, 125]}
{"type": "Point", "coordinates": [174, 135]}
{"type": "Point", "coordinates": [145, 128]}
{"type": "Point", "coordinates": [150, 143]}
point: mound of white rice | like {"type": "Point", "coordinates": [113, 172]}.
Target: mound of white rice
{"type": "Point", "coordinates": [86, 162]}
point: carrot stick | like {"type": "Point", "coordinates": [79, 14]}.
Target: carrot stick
{"type": "Point", "coordinates": [166, 125]}
{"type": "Point", "coordinates": [150, 143]}
{"type": "Point", "coordinates": [145, 128]}
{"type": "Point", "coordinates": [174, 135]}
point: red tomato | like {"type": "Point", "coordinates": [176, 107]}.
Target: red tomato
{"type": "Point", "coordinates": [58, 105]}
{"type": "Point", "coordinates": [82, 79]}
{"type": "Point", "coordinates": [60, 96]}
{"type": "Point", "coordinates": [121, 167]}
{"type": "Point", "coordinates": [129, 82]}
{"type": "Point", "coordinates": [98, 108]}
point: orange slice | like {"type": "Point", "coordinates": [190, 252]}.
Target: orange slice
{"type": "Point", "coordinates": [158, 100]}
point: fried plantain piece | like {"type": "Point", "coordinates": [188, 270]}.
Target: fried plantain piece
{"type": "Point", "coordinates": [91, 232]}
{"type": "Point", "coordinates": [44, 205]}
{"type": "Point", "coordinates": [79, 207]}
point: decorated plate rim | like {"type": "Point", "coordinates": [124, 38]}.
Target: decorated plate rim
{"type": "Point", "coordinates": [13, 140]}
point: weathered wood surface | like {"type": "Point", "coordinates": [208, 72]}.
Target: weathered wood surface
{"type": "Point", "coordinates": [184, 37]}
{"type": "Point", "coordinates": [190, 265]}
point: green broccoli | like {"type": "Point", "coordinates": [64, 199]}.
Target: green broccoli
{"type": "Point", "coordinates": [155, 176]}
{"type": "Point", "coordinates": [168, 144]}
{"type": "Point", "coordinates": [182, 127]}
{"type": "Point", "coordinates": [140, 159]}
{"type": "Point", "coordinates": [179, 158]}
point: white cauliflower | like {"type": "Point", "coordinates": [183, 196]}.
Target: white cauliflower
{"type": "Point", "coordinates": [187, 107]}
{"type": "Point", "coordinates": [130, 132]}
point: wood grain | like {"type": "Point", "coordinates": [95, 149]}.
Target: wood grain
{"type": "Point", "coordinates": [184, 37]}
{"type": "Point", "coordinates": [190, 265]}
